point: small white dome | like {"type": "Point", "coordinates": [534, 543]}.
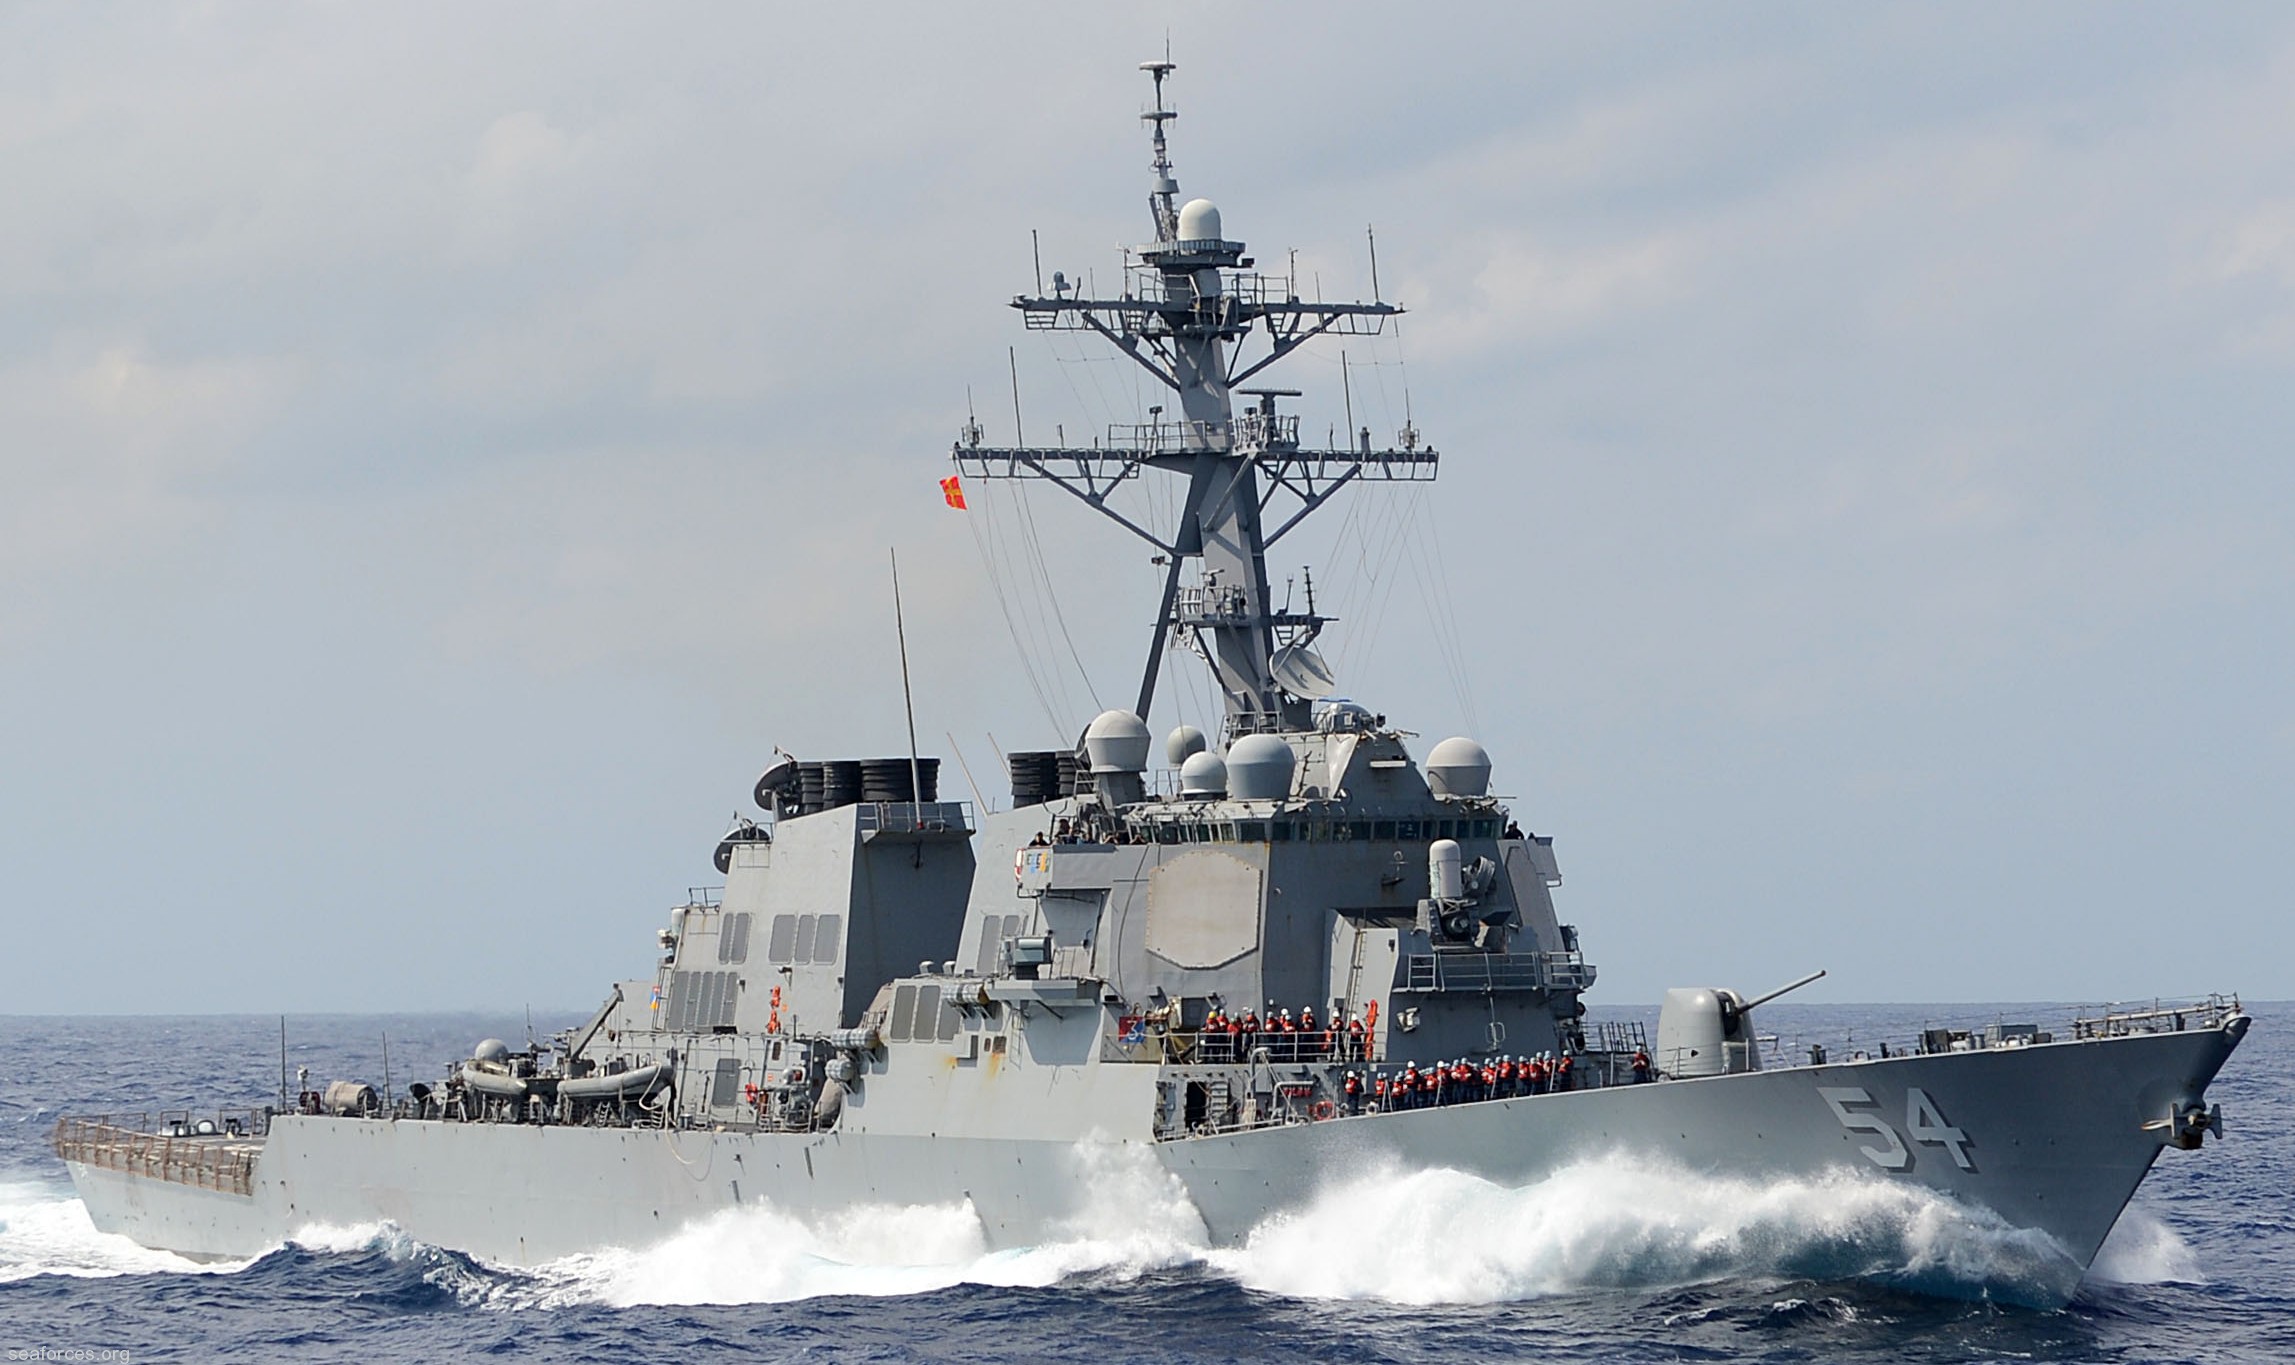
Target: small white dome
{"type": "Point", "coordinates": [1182, 744]}
{"type": "Point", "coordinates": [1116, 742]}
{"type": "Point", "coordinates": [1203, 774]}
{"type": "Point", "coordinates": [1259, 768]}
{"type": "Point", "coordinates": [1446, 870]}
{"type": "Point", "coordinates": [1199, 221]}
{"type": "Point", "coordinates": [1458, 767]}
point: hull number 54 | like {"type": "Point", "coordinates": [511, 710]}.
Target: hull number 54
{"type": "Point", "coordinates": [1925, 1124]}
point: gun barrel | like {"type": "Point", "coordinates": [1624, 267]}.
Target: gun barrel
{"type": "Point", "coordinates": [1765, 999]}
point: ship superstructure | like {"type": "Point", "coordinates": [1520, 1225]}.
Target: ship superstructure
{"type": "Point", "coordinates": [1287, 949]}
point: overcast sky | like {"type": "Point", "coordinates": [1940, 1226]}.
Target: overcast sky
{"type": "Point", "coordinates": [442, 451]}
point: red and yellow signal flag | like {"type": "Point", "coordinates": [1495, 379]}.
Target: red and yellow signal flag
{"type": "Point", "coordinates": [952, 491]}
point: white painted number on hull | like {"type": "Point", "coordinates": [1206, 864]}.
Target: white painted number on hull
{"type": "Point", "coordinates": [1927, 1124]}
{"type": "Point", "coordinates": [1893, 1157]}
{"type": "Point", "coordinates": [1923, 1121]}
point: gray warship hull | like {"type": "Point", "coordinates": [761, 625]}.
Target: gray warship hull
{"type": "Point", "coordinates": [2056, 1139]}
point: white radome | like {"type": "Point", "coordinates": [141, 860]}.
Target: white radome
{"type": "Point", "coordinates": [1259, 768]}
{"type": "Point", "coordinates": [1458, 767]}
{"type": "Point", "coordinates": [1203, 774]}
{"type": "Point", "coordinates": [1183, 743]}
{"type": "Point", "coordinates": [1117, 742]}
{"type": "Point", "coordinates": [1199, 221]}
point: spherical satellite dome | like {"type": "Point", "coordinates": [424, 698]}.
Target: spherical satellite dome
{"type": "Point", "coordinates": [1182, 744]}
{"type": "Point", "coordinates": [1458, 767]}
{"type": "Point", "coordinates": [1116, 742]}
{"type": "Point", "coordinates": [1259, 768]}
{"type": "Point", "coordinates": [1199, 221]}
{"type": "Point", "coordinates": [491, 1050]}
{"type": "Point", "coordinates": [1203, 774]}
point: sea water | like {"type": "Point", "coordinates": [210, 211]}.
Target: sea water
{"type": "Point", "coordinates": [1612, 1259]}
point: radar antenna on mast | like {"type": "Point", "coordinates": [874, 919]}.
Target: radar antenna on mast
{"type": "Point", "coordinates": [1188, 305]}
{"type": "Point", "coordinates": [1165, 191]}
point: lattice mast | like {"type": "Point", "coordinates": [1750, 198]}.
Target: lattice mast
{"type": "Point", "coordinates": [1189, 302]}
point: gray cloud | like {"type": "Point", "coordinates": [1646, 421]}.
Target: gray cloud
{"type": "Point", "coordinates": [443, 452]}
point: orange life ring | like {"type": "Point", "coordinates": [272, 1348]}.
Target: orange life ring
{"type": "Point", "coordinates": [1323, 1109]}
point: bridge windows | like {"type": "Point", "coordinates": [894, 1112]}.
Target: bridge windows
{"type": "Point", "coordinates": [1311, 831]}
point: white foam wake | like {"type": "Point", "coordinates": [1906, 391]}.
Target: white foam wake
{"type": "Point", "coordinates": [1136, 1219]}
{"type": "Point", "coordinates": [2143, 1250]}
{"type": "Point", "coordinates": [1440, 1236]}
{"type": "Point", "coordinates": [1414, 1237]}
{"type": "Point", "coordinates": [45, 1230]}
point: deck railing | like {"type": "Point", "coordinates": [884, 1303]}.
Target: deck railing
{"type": "Point", "coordinates": [1496, 972]}
{"type": "Point", "coordinates": [219, 1161]}
{"type": "Point", "coordinates": [2155, 1016]}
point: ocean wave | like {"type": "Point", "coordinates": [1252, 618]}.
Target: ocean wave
{"type": "Point", "coordinates": [45, 1230]}
{"type": "Point", "coordinates": [1137, 1219]}
{"type": "Point", "coordinates": [1442, 1236]}
{"type": "Point", "coordinates": [2143, 1250]}
{"type": "Point", "coordinates": [1408, 1237]}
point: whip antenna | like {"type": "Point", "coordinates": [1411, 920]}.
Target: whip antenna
{"type": "Point", "coordinates": [908, 702]}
